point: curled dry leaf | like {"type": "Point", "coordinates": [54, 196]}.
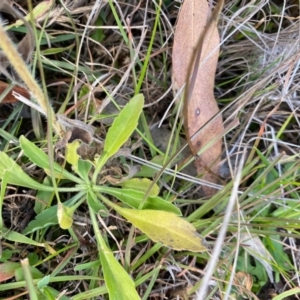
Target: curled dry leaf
{"type": "Point", "coordinates": [197, 40]}
{"type": "Point", "coordinates": [10, 98]}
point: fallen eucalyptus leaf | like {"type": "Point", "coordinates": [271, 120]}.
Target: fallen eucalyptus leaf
{"type": "Point", "coordinates": [195, 54]}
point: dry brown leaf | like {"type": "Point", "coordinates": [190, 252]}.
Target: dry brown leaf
{"type": "Point", "coordinates": [196, 32]}
{"type": "Point", "coordinates": [9, 98]}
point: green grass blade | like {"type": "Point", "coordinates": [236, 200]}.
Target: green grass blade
{"type": "Point", "coordinates": [29, 280]}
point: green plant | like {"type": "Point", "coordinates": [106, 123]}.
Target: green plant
{"type": "Point", "coordinates": [158, 218]}
{"type": "Point", "coordinates": [81, 244]}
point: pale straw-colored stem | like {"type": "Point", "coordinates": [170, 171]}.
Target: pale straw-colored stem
{"type": "Point", "coordinates": [19, 65]}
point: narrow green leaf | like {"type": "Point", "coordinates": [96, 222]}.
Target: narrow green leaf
{"type": "Point", "coordinates": [16, 176]}
{"type": "Point", "coordinates": [49, 216]}
{"type": "Point", "coordinates": [2, 195]}
{"type": "Point", "coordinates": [94, 203]}
{"type": "Point", "coordinates": [134, 198]}
{"type": "Point", "coordinates": [118, 282]}
{"type": "Point", "coordinates": [84, 168]}
{"type": "Point", "coordinates": [119, 132]}
{"type": "Point", "coordinates": [7, 136]}
{"type": "Point", "coordinates": [163, 227]}
{"type": "Point", "coordinates": [276, 249]}
{"type": "Point", "coordinates": [44, 197]}
{"type": "Point", "coordinates": [52, 51]}
{"type": "Point", "coordinates": [98, 34]}
{"type": "Point", "coordinates": [30, 286]}
{"type": "Point", "coordinates": [142, 185]}
{"type": "Point", "coordinates": [286, 294]}
{"type": "Point", "coordinates": [50, 293]}
{"type": "Point", "coordinates": [39, 157]}
{"type": "Point", "coordinates": [45, 280]}
{"type": "Point", "coordinates": [45, 218]}
{"type": "Point", "coordinates": [36, 274]}
{"type": "Point", "coordinates": [14, 236]}
{"type": "Point", "coordinates": [123, 126]}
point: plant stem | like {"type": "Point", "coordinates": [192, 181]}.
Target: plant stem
{"type": "Point", "coordinates": [19, 65]}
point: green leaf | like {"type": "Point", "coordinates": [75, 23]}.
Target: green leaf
{"type": "Point", "coordinates": [39, 157]}
{"type": "Point", "coordinates": [44, 197]}
{"type": "Point", "coordinates": [98, 33]}
{"type": "Point", "coordinates": [52, 294]}
{"type": "Point", "coordinates": [65, 216]}
{"type": "Point", "coordinates": [286, 294]}
{"type": "Point", "coordinates": [14, 236]}
{"type": "Point", "coordinates": [45, 218]}
{"type": "Point", "coordinates": [94, 203]}
{"type": "Point", "coordinates": [49, 216]}
{"type": "Point", "coordinates": [142, 185]}
{"type": "Point", "coordinates": [276, 249]}
{"type": "Point", "coordinates": [7, 136]}
{"type": "Point", "coordinates": [164, 227]}
{"type": "Point", "coordinates": [43, 282]}
{"type": "Point", "coordinates": [254, 268]}
{"type": "Point", "coordinates": [134, 198]}
{"type": "Point", "coordinates": [148, 171]}
{"type": "Point", "coordinates": [118, 282]}
{"type": "Point", "coordinates": [28, 278]}
{"type": "Point", "coordinates": [84, 167]}
{"type": "Point", "coordinates": [6, 255]}
{"type": "Point", "coordinates": [2, 195]}
{"type": "Point", "coordinates": [52, 51]}
{"type": "Point", "coordinates": [16, 176]}
{"type": "Point", "coordinates": [123, 126]}
{"type": "Point", "coordinates": [65, 213]}
{"type": "Point", "coordinates": [71, 156]}
{"type": "Point", "coordinates": [36, 274]}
